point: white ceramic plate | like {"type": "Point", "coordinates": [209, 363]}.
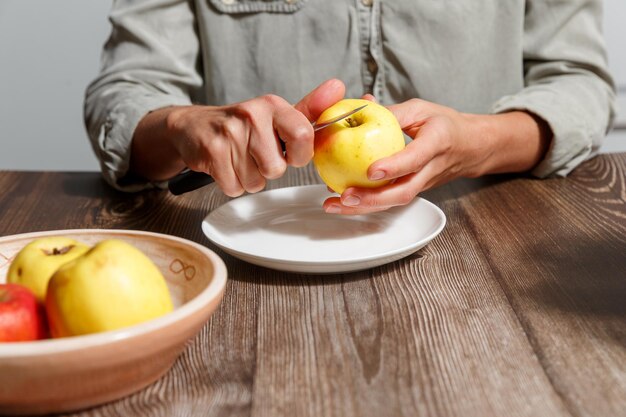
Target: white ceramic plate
{"type": "Point", "coordinates": [287, 229]}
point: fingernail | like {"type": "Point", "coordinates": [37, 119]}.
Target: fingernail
{"type": "Point", "coordinates": [377, 175]}
{"type": "Point", "coordinates": [333, 209]}
{"type": "Point", "coordinates": [351, 200]}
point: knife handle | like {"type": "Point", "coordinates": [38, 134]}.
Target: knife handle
{"type": "Point", "coordinates": [188, 181]}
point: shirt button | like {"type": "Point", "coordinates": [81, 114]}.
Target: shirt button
{"type": "Point", "coordinates": [367, 3]}
{"type": "Point", "coordinates": [372, 66]}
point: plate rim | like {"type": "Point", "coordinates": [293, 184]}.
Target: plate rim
{"type": "Point", "coordinates": [298, 263]}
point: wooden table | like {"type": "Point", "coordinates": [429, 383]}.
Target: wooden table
{"type": "Point", "coordinates": [517, 309]}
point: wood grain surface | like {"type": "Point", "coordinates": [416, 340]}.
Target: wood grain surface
{"type": "Point", "coordinates": [517, 309]}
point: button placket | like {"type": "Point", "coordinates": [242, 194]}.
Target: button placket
{"type": "Point", "coordinates": [376, 51]}
{"type": "Point", "coordinates": [368, 64]}
{"type": "Point", "coordinates": [372, 66]}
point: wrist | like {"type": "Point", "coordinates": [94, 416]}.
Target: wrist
{"type": "Point", "coordinates": [481, 142]}
{"type": "Point", "coordinates": [509, 142]}
{"type": "Point", "coordinates": [154, 152]}
{"type": "Point", "coordinates": [172, 121]}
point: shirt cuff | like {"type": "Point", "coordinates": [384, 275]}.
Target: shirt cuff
{"type": "Point", "coordinates": [573, 141]}
{"type": "Point", "coordinates": [116, 134]}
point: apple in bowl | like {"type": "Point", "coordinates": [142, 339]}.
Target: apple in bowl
{"type": "Point", "coordinates": [21, 316]}
{"type": "Point", "coordinates": [112, 286]}
{"type": "Point", "coordinates": [38, 260]}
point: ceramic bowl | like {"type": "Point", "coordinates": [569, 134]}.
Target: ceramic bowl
{"type": "Point", "coordinates": [59, 375]}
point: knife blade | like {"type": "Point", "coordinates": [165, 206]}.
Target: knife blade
{"type": "Point", "coordinates": [334, 120]}
{"type": "Point", "coordinates": [189, 180]}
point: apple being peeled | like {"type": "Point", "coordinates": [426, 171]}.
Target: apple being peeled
{"type": "Point", "coordinates": [21, 316]}
{"type": "Point", "coordinates": [113, 285]}
{"type": "Point", "coordinates": [345, 150]}
{"type": "Point", "coordinates": [37, 261]}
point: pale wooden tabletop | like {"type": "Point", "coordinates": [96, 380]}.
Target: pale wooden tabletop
{"type": "Point", "coordinates": [517, 309]}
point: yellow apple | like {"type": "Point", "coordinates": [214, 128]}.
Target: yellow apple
{"type": "Point", "coordinates": [345, 150]}
{"type": "Point", "coordinates": [114, 285]}
{"type": "Point", "coordinates": [37, 261]}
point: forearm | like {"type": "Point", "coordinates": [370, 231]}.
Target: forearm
{"type": "Point", "coordinates": [153, 155]}
{"type": "Point", "coordinates": [509, 142]}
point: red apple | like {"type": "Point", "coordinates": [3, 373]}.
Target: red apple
{"type": "Point", "coordinates": [21, 316]}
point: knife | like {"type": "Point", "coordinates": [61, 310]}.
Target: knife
{"type": "Point", "coordinates": [192, 180]}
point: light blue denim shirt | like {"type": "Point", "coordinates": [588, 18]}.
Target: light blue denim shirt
{"type": "Point", "coordinates": [482, 56]}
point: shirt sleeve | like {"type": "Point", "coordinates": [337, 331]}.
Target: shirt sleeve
{"type": "Point", "coordinates": [566, 80]}
{"type": "Point", "coordinates": [150, 61]}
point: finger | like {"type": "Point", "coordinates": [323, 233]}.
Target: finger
{"type": "Point", "coordinates": [369, 97]}
{"type": "Point", "coordinates": [401, 192]}
{"type": "Point", "coordinates": [398, 193]}
{"type": "Point", "coordinates": [411, 159]}
{"type": "Point", "coordinates": [264, 148]}
{"type": "Point", "coordinates": [443, 177]}
{"type": "Point", "coordinates": [222, 170]}
{"type": "Point", "coordinates": [333, 205]}
{"type": "Point", "coordinates": [262, 143]}
{"type": "Point", "coordinates": [246, 168]}
{"type": "Point", "coordinates": [321, 98]}
{"type": "Point", "coordinates": [297, 133]}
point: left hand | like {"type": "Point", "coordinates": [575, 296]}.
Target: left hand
{"type": "Point", "coordinates": [447, 144]}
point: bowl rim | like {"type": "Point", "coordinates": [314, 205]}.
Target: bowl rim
{"type": "Point", "coordinates": [55, 346]}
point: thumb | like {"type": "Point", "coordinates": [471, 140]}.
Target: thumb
{"type": "Point", "coordinates": [322, 97]}
{"type": "Point", "coordinates": [411, 116]}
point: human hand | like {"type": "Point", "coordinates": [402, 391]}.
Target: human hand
{"type": "Point", "coordinates": [238, 145]}
{"type": "Point", "coordinates": [447, 144]}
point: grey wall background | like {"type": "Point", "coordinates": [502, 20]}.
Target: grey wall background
{"type": "Point", "coordinates": [49, 51]}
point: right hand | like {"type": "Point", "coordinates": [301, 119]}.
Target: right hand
{"type": "Point", "coordinates": [238, 145]}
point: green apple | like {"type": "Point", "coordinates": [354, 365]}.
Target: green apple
{"type": "Point", "coordinates": [113, 285]}
{"type": "Point", "coordinates": [345, 150]}
{"type": "Point", "coordinates": [37, 261]}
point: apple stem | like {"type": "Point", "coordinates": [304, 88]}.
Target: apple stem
{"type": "Point", "coordinates": [352, 122]}
{"type": "Point", "coordinates": [56, 251]}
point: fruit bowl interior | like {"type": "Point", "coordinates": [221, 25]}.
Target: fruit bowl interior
{"type": "Point", "coordinates": [58, 375]}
